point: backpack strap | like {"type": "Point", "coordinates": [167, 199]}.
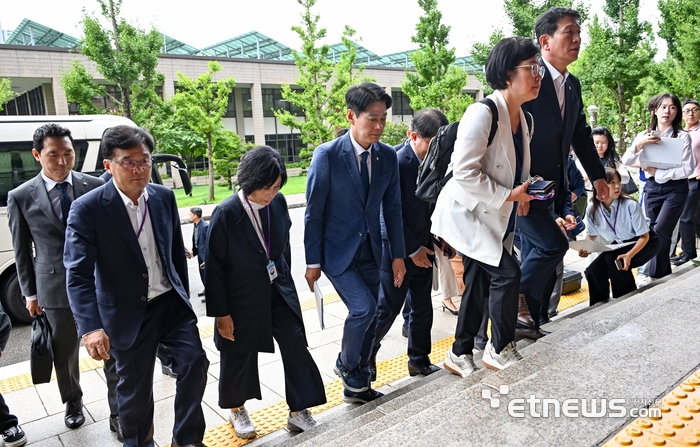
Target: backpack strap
{"type": "Point", "coordinates": [494, 118]}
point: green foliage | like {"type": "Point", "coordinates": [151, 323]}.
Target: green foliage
{"type": "Point", "coordinates": [436, 83]}
{"type": "Point", "coordinates": [124, 55]}
{"type": "Point", "coordinates": [480, 52]}
{"type": "Point", "coordinates": [228, 150]}
{"type": "Point", "coordinates": [200, 194]}
{"type": "Point", "coordinates": [202, 103]}
{"type": "Point", "coordinates": [679, 26]}
{"type": "Point", "coordinates": [394, 133]}
{"type": "Point", "coordinates": [617, 59]}
{"type": "Point", "coordinates": [323, 82]}
{"type": "Point", "coordinates": [6, 93]}
{"type": "Point", "coordinates": [524, 13]}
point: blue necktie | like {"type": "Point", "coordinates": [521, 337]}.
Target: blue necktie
{"type": "Point", "coordinates": [364, 173]}
{"type": "Point", "coordinates": [65, 200]}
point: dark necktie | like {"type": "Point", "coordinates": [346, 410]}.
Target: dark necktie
{"type": "Point", "coordinates": [64, 199]}
{"type": "Point", "coordinates": [364, 173]}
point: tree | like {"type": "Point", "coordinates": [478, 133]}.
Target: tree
{"type": "Point", "coordinates": [124, 55]}
{"type": "Point", "coordinates": [6, 93]}
{"type": "Point", "coordinates": [394, 133]}
{"type": "Point", "coordinates": [679, 27]}
{"type": "Point", "coordinates": [618, 57]}
{"type": "Point", "coordinates": [202, 103]}
{"type": "Point", "coordinates": [436, 82]}
{"type": "Point", "coordinates": [323, 83]}
{"type": "Point", "coordinates": [229, 148]}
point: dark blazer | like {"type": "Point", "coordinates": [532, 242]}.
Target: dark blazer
{"type": "Point", "coordinates": [336, 211]}
{"type": "Point", "coordinates": [237, 280]}
{"type": "Point", "coordinates": [201, 248]}
{"type": "Point", "coordinates": [33, 221]}
{"type": "Point", "coordinates": [549, 147]}
{"type": "Point", "coordinates": [106, 273]}
{"type": "Point", "coordinates": [415, 212]}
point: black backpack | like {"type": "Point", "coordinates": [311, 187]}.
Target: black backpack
{"type": "Point", "coordinates": [431, 172]}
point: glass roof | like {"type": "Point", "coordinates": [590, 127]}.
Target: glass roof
{"type": "Point", "coordinates": [174, 46]}
{"type": "Point", "coordinates": [252, 45]}
{"type": "Point", "coordinates": [32, 33]}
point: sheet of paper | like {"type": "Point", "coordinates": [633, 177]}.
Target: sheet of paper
{"type": "Point", "coordinates": [319, 304]}
{"type": "Point", "coordinates": [595, 247]}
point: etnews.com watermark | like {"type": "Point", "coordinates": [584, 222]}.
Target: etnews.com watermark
{"type": "Point", "coordinates": [537, 407]}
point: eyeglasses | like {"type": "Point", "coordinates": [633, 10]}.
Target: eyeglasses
{"type": "Point", "coordinates": [131, 165]}
{"type": "Point", "coordinates": [693, 110]}
{"type": "Point", "coordinates": [535, 69]}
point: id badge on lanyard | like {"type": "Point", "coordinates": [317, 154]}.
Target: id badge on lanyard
{"type": "Point", "coordinates": [271, 271]}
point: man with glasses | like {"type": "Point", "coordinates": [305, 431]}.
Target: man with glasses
{"type": "Point", "coordinates": [37, 212]}
{"type": "Point", "coordinates": [558, 114]}
{"type": "Point", "coordinates": [689, 226]}
{"type": "Point", "coordinates": [129, 291]}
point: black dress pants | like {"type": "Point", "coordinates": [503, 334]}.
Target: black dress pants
{"type": "Point", "coordinates": [664, 204]}
{"type": "Point", "coordinates": [602, 274]}
{"type": "Point", "coordinates": [503, 284]}
{"type": "Point", "coordinates": [7, 419]}
{"type": "Point", "coordinates": [239, 380]}
{"type": "Point", "coordinates": [689, 226]}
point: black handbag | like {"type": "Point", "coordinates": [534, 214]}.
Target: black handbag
{"type": "Point", "coordinates": [630, 187]}
{"type": "Point", "coordinates": [41, 359]}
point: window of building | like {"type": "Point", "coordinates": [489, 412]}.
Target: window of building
{"type": "Point", "coordinates": [28, 103]}
{"type": "Point", "coordinates": [401, 105]}
{"type": "Point", "coordinates": [247, 103]}
{"type": "Point", "coordinates": [273, 100]}
{"type": "Point", "coordinates": [231, 106]}
{"type": "Point", "coordinates": [288, 145]}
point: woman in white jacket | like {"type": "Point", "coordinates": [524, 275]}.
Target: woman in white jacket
{"type": "Point", "coordinates": [475, 212]}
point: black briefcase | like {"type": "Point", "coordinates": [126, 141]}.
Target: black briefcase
{"type": "Point", "coordinates": [41, 358]}
{"type": "Point", "coordinates": [572, 281]}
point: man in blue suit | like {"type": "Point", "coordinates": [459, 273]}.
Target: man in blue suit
{"type": "Point", "coordinates": [351, 180]}
{"type": "Point", "coordinates": [128, 288]}
{"type": "Point", "coordinates": [417, 284]}
{"type": "Point", "coordinates": [559, 123]}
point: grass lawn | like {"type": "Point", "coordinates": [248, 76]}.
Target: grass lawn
{"type": "Point", "coordinates": [200, 194]}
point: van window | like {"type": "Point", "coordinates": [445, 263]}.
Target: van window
{"type": "Point", "coordinates": [17, 164]}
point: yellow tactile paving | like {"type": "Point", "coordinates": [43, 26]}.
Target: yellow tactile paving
{"type": "Point", "coordinates": [677, 425]}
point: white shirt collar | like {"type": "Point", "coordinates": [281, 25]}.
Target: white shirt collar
{"type": "Point", "coordinates": [51, 184]}
{"type": "Point", "coordinates": [555, 73]}
{"type": "Point", "coordinates": [359, 149]}
{"type": "Point", "coordinates": [127, 201]}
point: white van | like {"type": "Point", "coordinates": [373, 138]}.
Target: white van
{"type": "Point", "coordinates": [17, 165]}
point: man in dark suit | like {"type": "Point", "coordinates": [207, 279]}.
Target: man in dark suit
{"type": "Point", "coordinates": [350, 180]}
{"type": "Point", "coordinates": [37, 212]}
{"type": "Point", "coordinates": [199, 244]}
{"type": "Point", "coordinates": [128, 288]}
{"type": "Point", "coordinates": [559, 123]}
{"type": "Point", "coordinates": [418, 240]}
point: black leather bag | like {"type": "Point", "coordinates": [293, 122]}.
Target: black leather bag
{"type": "Point", "coordinates": [630, 187]}
{"type": "Point", "coordinates": [41, 359]}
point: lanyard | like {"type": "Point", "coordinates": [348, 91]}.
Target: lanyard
{"type": "Point", "coordinates": [257, 224]}
{"type": "Point", "coordinates": [617, 210]}
{"type": "Point", "coordinates": [143, 221]}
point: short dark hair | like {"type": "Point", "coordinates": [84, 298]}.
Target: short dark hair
{"type": "Point", "coordinates": [655, 102]}
{"type": "Point", "coordinates": [507, 54]}
{"type": "Point", "coordinates": [427, 122]}
{"type": "Point", "coordinates": [361, 96]}
{"type": "Point", "coordinates": [690, 101]}
{"type": "Point", "coordinates": [197, 211]}
{"type": "Point", "coordinates": [548, 22]}
{"type": "Point", "coordinates": [50, 130]}
{"type": "Point", "coordinates": [259, 168]}
{"type": "Point", "coordinates": [124, 137]}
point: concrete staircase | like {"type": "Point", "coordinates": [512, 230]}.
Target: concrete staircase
{"type": "Point", "coordinates": [636, 348]}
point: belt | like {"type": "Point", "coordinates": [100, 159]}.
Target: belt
{"type": "Point", "coordinates": [155, 299]}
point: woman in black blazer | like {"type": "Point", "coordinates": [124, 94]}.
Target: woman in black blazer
{"type": "Point", "coordinates": [251, 292]}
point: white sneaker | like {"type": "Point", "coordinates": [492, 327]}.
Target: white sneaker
{"type": "Point", "coordinates": [462, 365]}
{"type": "Point", "coordinates": [643, 280]}
{"type": "Point", "coordinates": [301, 422]}
{"type": "Point", "coordinates": [508, 356]}
{"type": "Point", "coordinates": [242, 425]}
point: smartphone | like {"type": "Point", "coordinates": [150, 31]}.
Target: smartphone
{"type": "Point", "coordinates": [620, 264]}
{"type": "Point", "coordinates": [656, 133]}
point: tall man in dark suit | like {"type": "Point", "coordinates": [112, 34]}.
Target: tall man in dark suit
{"type": "Point", "coordinates": [350, 180]}
{"type": "Point", "coordinates": [559, 123]}
{"type": "Point", "coordinates": [199, 244]}
{"type": "Point", "coordinates": [418, 240]}
{"type": "Point", "coordinates": [128, 288]}
{"type": "Point", "coordinates": [37, 212]}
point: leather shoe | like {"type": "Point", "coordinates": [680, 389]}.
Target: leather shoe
{"type": "Point", "coordinates": [168, 371]}
{"type": "Point", "coordinates": [682, 259]}
{"type": "Point", "coordinates": [74, 414]}
{"type": "Point", "coordinates": [373, 368]}
{"type": "Point", "coordinates": [115, 426]}
{"type": "Point", "coordinates": [532, 334]}
{"type": "Point", "coordinates": [404, 331]}
{"type": "Point", "coordinates": [544, 318]}
{"type": "Point", "coordinates": [174, 443]}
{"type": "Point", "coordinates": [423, 370]}
{"type": "Point", "coordinates": [524, 316]}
